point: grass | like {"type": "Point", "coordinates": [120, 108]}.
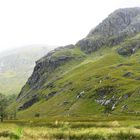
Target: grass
{"type": "Point", "coordinates": [69, 117]}
{"type": "Point", "coordinates": [90, 128]}
{"type": "Point", "coordinates": [101, 69]}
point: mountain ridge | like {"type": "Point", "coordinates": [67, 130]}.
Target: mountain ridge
{"type": "Point", "coordinates": [114, 29]}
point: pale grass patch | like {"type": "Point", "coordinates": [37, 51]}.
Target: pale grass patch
{"type": "Point", "coordinates": [115, 124]}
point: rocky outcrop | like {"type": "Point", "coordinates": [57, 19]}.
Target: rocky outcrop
{"type": "Point", "coordinates": [29, 103]}
{"type": "Point", "coordinates": [121, 21]}
{"type": "Point", "coordinates": [89, 45]}
{"type": "Point", "coordinates": [106, 96]}
{"type": "Point", "coordinates": [129, 48]}
{"type": "Point", "coordinates": [46, 66]}
{"type": "Point", "coordinates": [113, 30]}
{"type": "Point", "coordinates": [109, 98]}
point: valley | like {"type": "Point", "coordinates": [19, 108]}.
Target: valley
{"type": "Point", "coordinates": [87, 90]}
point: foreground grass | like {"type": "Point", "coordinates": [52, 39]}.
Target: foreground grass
{"type": "Point", "coordinates": [79, 130]}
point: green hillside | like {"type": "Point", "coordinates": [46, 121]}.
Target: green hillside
{"type": "Point", "coordinates": [98, 75]}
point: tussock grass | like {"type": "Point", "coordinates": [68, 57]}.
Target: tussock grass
{"type": "Point", "coordinates": [7, 134]}
{"type": "Point", "coordinates": [71, 130]}
{"type": "Point", "coordinates": [124, 136]}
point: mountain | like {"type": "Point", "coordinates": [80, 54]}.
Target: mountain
{"type": "Point", "coordinates": [17, 65]}
{"type": "Point", "coordinates": [119, 25]}
{"type": "Point", "coordinates": [99, 74]}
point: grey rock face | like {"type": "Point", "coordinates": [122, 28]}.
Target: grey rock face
{"type": "Point", "coordinates": [129, 48]}
{"type": "Point", "coordinates": [80, 94]}
{"type": "Point", "coordinates": [113, 30]}
{"type": "Point", "coordinates": [51, 95]}
{"type": "Point", "coordinates": [48, 64]}
{"type": "Point", "coordinates": [122, 20]}
{"type": "Point", "coordinates": [110, 103]}
{"type": "Point", "coordinates": [29, 103]}
{"type": "Point", "coordinates": [89, 45]}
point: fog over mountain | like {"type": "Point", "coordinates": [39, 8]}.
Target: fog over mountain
{"type": "Point", "coordinates": [16, 65]}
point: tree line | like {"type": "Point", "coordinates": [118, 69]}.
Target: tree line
{"type": "Point", "coordinates": [5, 101]}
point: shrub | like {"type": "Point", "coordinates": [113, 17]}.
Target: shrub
{"type": "Point", "coordinates": [37, 115]}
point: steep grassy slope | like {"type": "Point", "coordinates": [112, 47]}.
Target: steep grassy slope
{"type": "Point", "coordinates": [79, 90]}
{"type": "Point", "coordinates": [98, 75]}
{"type": "Point", "coordinates": [16, 66]}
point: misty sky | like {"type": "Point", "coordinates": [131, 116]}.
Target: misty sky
{"type": "Point", "coordinates": [52, 22]}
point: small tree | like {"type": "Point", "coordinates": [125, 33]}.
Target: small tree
{"type": "Point", "coordinates": [3, 104]}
